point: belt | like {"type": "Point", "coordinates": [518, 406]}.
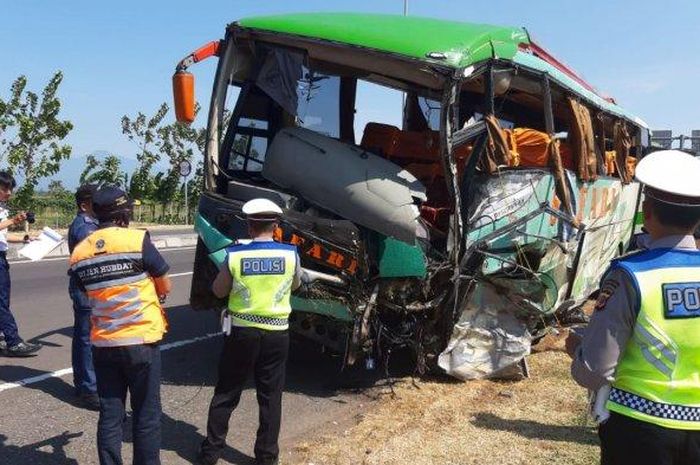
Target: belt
{"type": "Point", "coordinates": [654, 409]}
{"type": "Point", "coordinates": [265, 320]}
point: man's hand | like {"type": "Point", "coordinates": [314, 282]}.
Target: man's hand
{"type": "Point", "coordinates": [19, 218]}
{"type": "Point", "coordinates": [163, 286]}
{"type": "Point", "coordinates": [30, 237]}
{"type": "Point", "coordinates": [573, 341]}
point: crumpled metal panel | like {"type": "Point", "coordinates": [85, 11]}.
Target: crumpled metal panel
{"type": "Point", "coordinates": [487, 339]}
{"type": "Point", "coordinates": [346, 180]}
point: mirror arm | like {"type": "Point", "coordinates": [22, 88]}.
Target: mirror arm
{"type": "Point", "coordinates": [202, 53]}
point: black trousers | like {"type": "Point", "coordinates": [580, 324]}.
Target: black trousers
{"type": "Point", "coordinates": [626, 441]}
{"type": "Point", "coordinates": [264, 355]}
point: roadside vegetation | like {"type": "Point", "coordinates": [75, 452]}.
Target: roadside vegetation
{"type": "Point", "coordinates": [538, 421]}
{"type": "Point", "coordinates": [33, 148]}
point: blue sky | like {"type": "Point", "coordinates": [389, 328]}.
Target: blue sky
{"type": "Point", "coordinates": [118, 57]}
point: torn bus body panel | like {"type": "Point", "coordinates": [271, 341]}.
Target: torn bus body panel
{"type": "Point", "coordinates": [487, 339]}
{"type": "Point", "coordinates": [528, 261]}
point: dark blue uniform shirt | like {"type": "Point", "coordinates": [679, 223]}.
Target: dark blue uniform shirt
{"type": "Point", "coordinates": [81, 227]}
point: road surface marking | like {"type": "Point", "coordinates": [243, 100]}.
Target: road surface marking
{"type": "Point", "coordinates": [65, 257]}
{"type": "Point", "coordinates": [68, 371]}
{"type": "Point", "coordinates": [186, 273]}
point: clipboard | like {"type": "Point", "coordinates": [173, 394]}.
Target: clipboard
{"type": "Point", "coordinates": [47, 241]}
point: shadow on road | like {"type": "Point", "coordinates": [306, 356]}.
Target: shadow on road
{"type": "Point", "coordinates": [184, 439]}
{"type": "Point", "coordinates": [535, 430]}
{"type": "Point", "coordinates": [31, 454]}
{"type": "Point", "coordinates": [55, 387]}
{"type": "Point", "coordinates": [40, 339]}
{"type": "Point", "coordinates": [309, 371]}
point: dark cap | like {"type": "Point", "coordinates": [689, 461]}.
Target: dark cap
{"type": "Point", "coordinates": [109, 202]}
{"type": "Point", "coordinates": [85, 193]}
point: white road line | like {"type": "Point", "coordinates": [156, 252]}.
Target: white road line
{"type": "Point", "coordinates": [68, 371]}
{"type": "Point", "coordinates": [35, 379]}
{"type": "Point", "coordinates": [65, 257]}
{"type": "Point", "coordinates": [186, 273]}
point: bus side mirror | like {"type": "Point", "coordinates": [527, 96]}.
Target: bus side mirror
{"type": "Point", "coordinates": [183, 95]}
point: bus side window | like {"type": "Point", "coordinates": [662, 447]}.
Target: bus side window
{"type": "Point", "coordinates": [250, 134]}
{"type": "Point", "coordinates": [249, 147]}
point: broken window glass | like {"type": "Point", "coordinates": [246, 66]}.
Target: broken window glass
{"type": "Point", "coordinates": [310, 96]}
{"type": "Point", "coordinates": [318, 99]}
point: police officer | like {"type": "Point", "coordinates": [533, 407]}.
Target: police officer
{"type": "Point", "coordinates": [643, 338]}
{"type": "Point", "coordinates": [257, 278]}
{"type": "Point", "coordinates": [125, 278]}
{"type": "Point", "coordinates": [82, 226]}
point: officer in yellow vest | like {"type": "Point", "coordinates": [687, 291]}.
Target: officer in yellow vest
{"type": "Point", "coordinates": [257, 277]}
{"type": "Point", "coordinates": [125, 278]}
{"type": "Point", "coordinates": [643, 341]}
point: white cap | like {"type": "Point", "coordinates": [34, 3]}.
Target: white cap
{"type": "Point", "coordinates": [671, 176]}
{"type": "Point", "coordinates": [262, 209]}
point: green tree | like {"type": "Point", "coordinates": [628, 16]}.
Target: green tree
{"type": "Point", "coordinates": [107, 171]}
{"type": "Point", "coordinates": [31, 135]}
{"type": "Point", "coordinates": [56, 188]}
{"type": "Point", "coordinates": [166, 186]}
{"type": "Point", "coordinates": [143, 131]}
{"type": "Point", "coordinates": [156, 141]}
{"type": "Point", "coordinates": [179, 143]}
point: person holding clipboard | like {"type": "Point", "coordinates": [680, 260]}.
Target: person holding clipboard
{"type": "Point", "coordinates": [11, 344]}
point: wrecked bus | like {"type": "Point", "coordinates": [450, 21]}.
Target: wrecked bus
{"type": "Point", "coordinates": [460, 232]}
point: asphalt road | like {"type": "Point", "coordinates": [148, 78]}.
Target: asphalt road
{"type": "Point", "coordinates": [40, 422]}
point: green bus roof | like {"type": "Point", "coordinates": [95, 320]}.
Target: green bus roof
{"type": "Point", "coordinates": [461, 43]}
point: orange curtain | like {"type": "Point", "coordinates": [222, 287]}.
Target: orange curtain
{"type": "Point", "coordinates": [582, 141]}
{"type": "Point", "coordinates": [623, 143]}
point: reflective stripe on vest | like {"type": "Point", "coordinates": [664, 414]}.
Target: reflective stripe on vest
{"type": "Point", "coordinates": [263, 273]}
{"type": "Point", "coordinates": [125, 306]}
{"type": "Point", "coordinates": [657, 379]}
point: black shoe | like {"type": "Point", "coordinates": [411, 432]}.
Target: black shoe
{"type": "Point", "coordinates": [21, 349]}
{"type": "Point", "coordinates": [90, 401]}
{"type": "Point", "coordinates": [203, 458]}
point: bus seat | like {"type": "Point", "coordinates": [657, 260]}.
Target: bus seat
{"type": "Point", "coordinates": [611, 159]}
{"type": "Point", "coordinates": [401, 146]}
{"type": "Point", "coordinates": [380, 139]}
{"type": "Point", "coordinates": [531, 146]}
{"type": "Point", "coordinates": [437, 217]}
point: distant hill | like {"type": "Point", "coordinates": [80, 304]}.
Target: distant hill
{"type": "Point", "coordinates": [70, 171]}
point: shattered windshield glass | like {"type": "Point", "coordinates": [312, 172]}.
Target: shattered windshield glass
{"type": "Point", "coordinates": [310, 96]}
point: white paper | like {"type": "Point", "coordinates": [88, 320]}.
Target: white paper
{"type": "Point", "coordinates": [45, 243]}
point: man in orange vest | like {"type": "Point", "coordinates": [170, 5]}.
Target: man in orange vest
{"type": "Point", "coordinates": [125, 278]}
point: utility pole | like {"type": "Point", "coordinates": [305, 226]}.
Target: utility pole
{"type": "Point", "coordinates": [403, 94]}
{"type": "Point", "coordinates": [185, 170]}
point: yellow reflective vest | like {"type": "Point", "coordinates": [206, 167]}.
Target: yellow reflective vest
{"type": "Point", "coordinates": [658, 376]}
{"type": "Point", "coordinates": [263, 273]}
{"type": "Point", "coordinates": [125, 305]}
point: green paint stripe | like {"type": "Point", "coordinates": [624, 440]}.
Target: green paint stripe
{"type": "Point", "coordinates": [331, 308]}
{"type": "Point", "coordinates": [212, 237]}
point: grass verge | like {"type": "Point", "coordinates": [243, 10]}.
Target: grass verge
{"type": "Point", "coordinates": [541, 420]}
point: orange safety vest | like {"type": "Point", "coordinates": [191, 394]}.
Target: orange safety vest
{"type": "Point", "coordinates": [125, 306]}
